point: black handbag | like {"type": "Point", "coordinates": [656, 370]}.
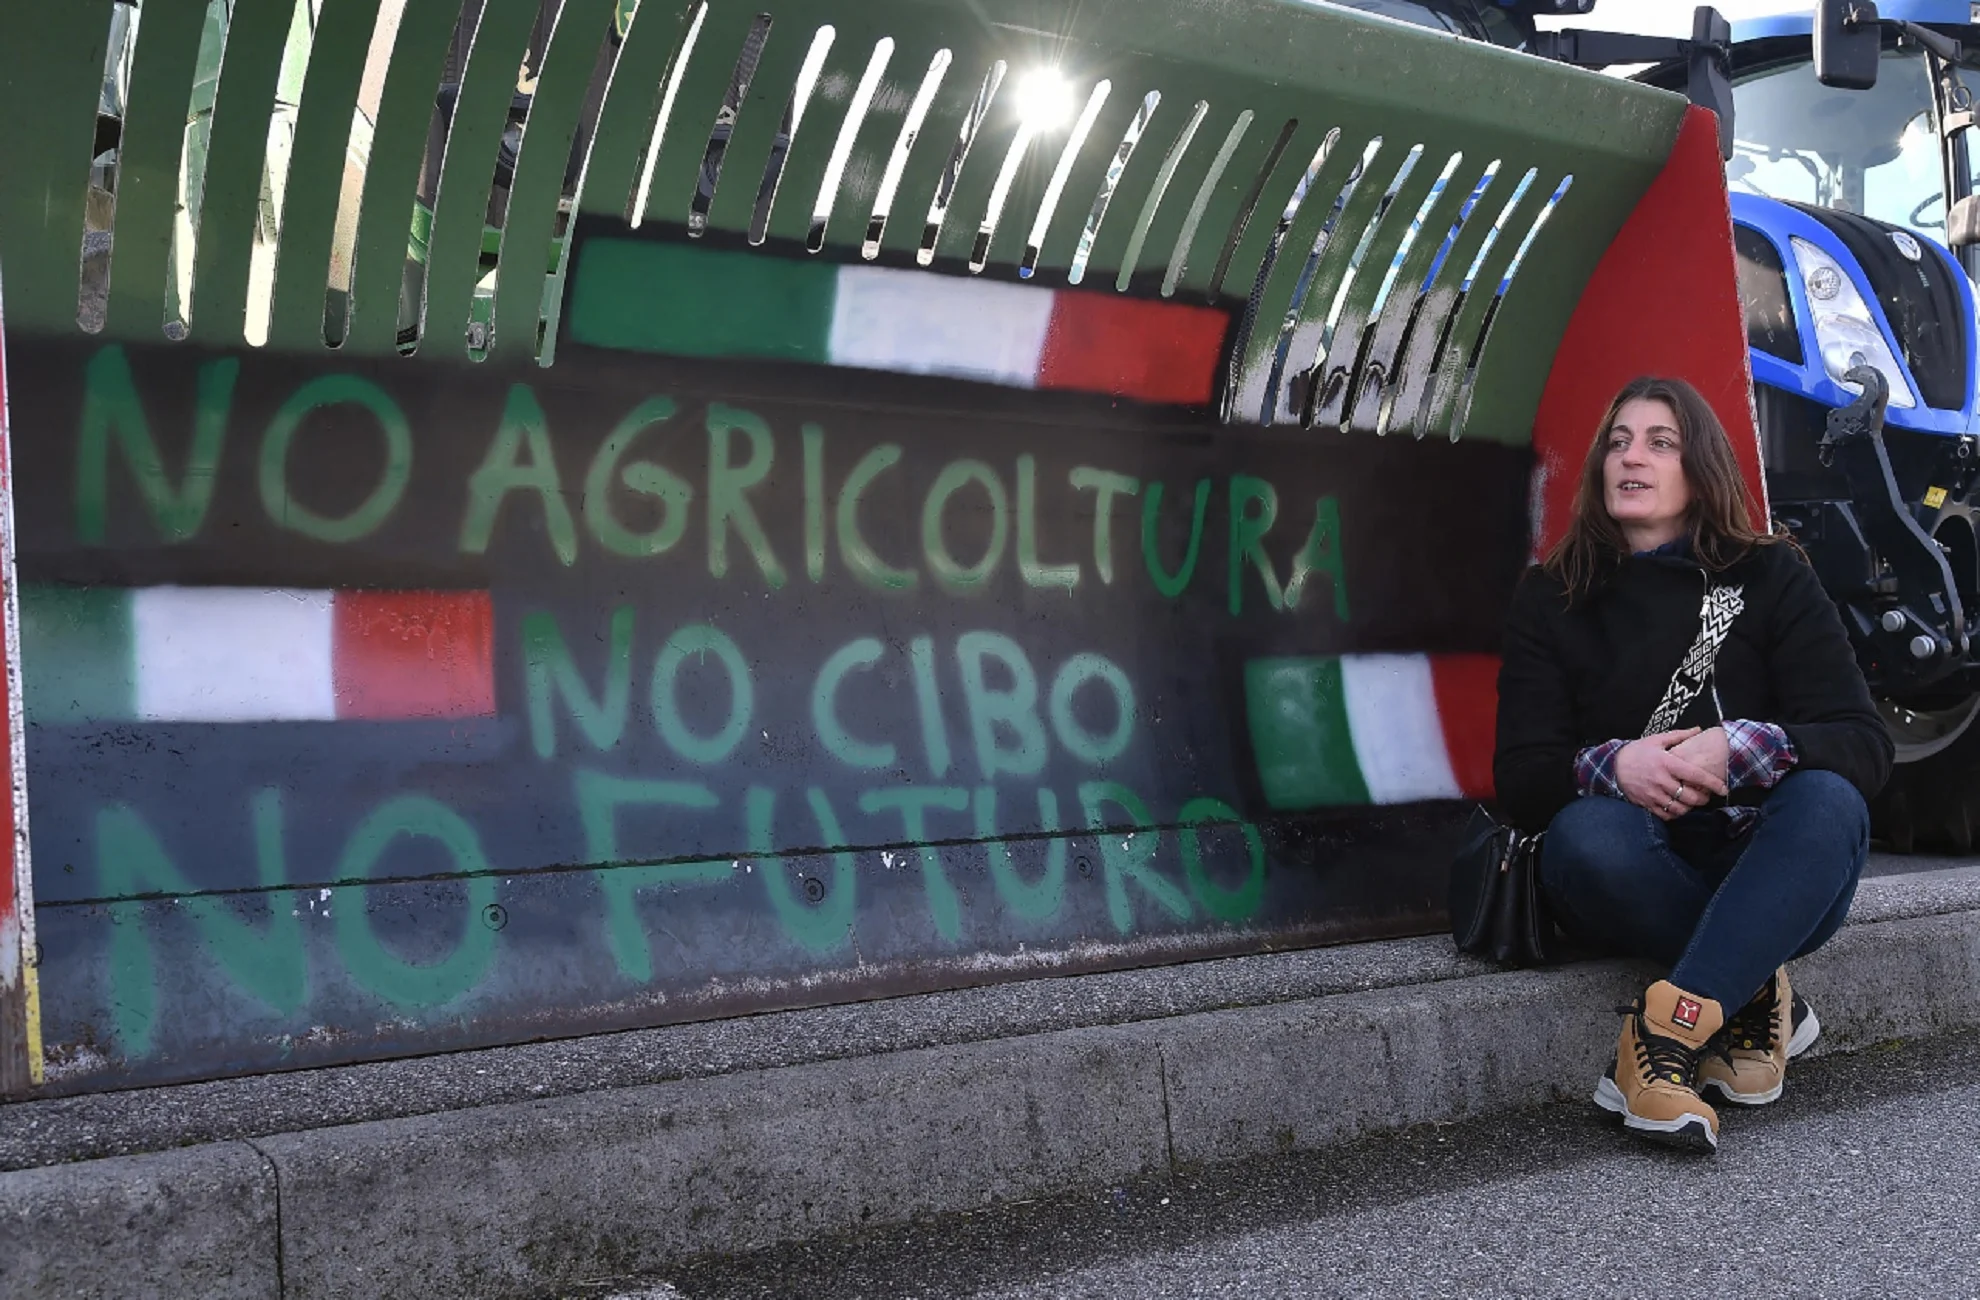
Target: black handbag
{"type": "Point", "coordinates": [1497, 910]}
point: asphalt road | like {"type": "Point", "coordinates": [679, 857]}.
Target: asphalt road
{"type": "Point", "coordinates": [1864, 1180]}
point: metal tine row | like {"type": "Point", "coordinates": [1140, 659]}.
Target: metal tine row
{"type": "Point", "coordinates": [1395, 351]}
{"type": "Point", "coordinates": [1352, 349]}
{"type": "Point", "coordinates": [973, 117]}
{"type": "Point", "coordinates": [254, 147]}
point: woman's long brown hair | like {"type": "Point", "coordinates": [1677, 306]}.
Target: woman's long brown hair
{"type": "Point", "coordinates": [1719, 520]}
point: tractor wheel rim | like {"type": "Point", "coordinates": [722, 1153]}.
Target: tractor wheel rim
{"type": "Point", "coordinates": [1919, 734]}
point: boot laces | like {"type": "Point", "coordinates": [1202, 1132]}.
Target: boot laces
{"type": "Point", "coordinates": [1752, 1026]}
{"type": "Point", "coordinates": [1668, 1059]}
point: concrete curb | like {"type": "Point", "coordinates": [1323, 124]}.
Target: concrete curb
{"type": "Point", "coordinates": [202, 1221]}
{"type": "Point", "coordinates": [509, 1200]}
{"type": "Point", "coordinates": [521, 1198]}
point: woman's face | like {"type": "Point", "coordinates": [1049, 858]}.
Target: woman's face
{"type": "Point", "coordinates": [1643, 473]}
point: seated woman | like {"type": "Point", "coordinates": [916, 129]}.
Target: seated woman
{"type": "Point", "coordinates": [1681, 712]}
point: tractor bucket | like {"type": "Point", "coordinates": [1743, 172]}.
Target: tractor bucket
{"type": "Point", "coordinates": [543, 518]}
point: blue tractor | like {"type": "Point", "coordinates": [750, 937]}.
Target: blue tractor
{"type": "Point", "coordinates": [1850, 155]}
{"type": "Point", "coordinates": [1858, 237]}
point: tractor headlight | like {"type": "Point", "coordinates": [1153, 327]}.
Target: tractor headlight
{"type": "Point", "coordinates": [1845, 331]}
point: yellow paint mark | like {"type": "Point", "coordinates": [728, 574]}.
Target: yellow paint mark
{"type": "Point", "coordinates": [31, 983]}
{"type": "Point", "coordinates": [1934, 498]}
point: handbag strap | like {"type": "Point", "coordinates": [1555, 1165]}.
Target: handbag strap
{"type": "Point", "coordinates": [1715, 618]}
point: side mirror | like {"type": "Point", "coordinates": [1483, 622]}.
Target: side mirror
{"type": "Point", "coordinates": [1848, 44]}
{"type": "Point", "coordinates": [1707, 82]}
{"type": "Point", "coordinates": [1963, 223]}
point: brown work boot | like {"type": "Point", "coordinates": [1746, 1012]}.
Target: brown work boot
{"type": "Point", "coordinates": [1653, 1085]}
{"type": "Point", "coordinates": [1760, 1039]}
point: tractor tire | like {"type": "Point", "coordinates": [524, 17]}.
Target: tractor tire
{"type": "Point", "coordinates": [1931, 804]}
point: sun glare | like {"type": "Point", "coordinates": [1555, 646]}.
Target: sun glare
{"type": "Point", "coordinates": [1044, 100]}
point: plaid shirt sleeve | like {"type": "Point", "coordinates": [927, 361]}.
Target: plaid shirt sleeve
{"type": "Point", "coordinates": [1758, 754]}
{"type": "Point", "coordinates": [1595, 769]}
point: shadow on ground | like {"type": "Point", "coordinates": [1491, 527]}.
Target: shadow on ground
{"type": "Point", "coordinates": [1030, 1241]}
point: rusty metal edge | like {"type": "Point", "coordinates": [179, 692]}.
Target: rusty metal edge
{"type": "Point", "coordinates": [20, 1003]}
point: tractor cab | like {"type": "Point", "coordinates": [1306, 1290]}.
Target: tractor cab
{"type": "Point", "coordinates": [1896, 146]}
{"type": "Point", "coordinates": [1898, 150]}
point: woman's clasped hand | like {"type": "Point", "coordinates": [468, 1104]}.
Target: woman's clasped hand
{"type": "Point", "coordinates": [1673, 772]}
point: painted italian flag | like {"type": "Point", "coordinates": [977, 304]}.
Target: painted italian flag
{"type": "Point", "coordinates": [654, 297]}
{"type": "Point", "coordinates": [239, 654]}
{"type": "Point", "coordinates": [1372, 729]}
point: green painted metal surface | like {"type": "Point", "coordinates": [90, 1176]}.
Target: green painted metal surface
{"type": "Point", "coordinates": [76, 654]}
{"type": "Point", "coordinates": [649, 48]}
{"type": "Point", "coordinates": [51, 76]}
{"type": "Point", "coordinates": [235, 161]}
{"type": "Point", "coordinates": [1180, 74]}
{"type": "Point", "coordinates": [754, 307]}
{"type": "Point", "coordinates": [316, 170]}
{"type": "Point", "coordinates": [405, 107]}
{"type": "Point", "coordinates": [539, 181]}
{"type": "Point", "coordinates": [1297, 719]}
{"type": "Point", "coordinates": [148, 169]}
{"type": "Point", "coordinates": [453, 259]}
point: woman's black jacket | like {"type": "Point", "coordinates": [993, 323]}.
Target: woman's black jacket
{"type": "Point", "coordinates": [1577, 675]}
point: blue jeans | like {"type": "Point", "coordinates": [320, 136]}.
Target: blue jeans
{"type": "Point", "coordinates": [1721, 912]}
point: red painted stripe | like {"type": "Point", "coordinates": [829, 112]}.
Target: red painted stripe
{"type": "Point", "coordinates": [10, 902]}
{"type": "Point", "coordinates": [1467, 689]}
{"type": "Point", "coordinates": [1664, 300]}
{"type": "Point", "coordinates": [414, 654]}
{"type": "Point", "coordinates": [1153, 351]}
